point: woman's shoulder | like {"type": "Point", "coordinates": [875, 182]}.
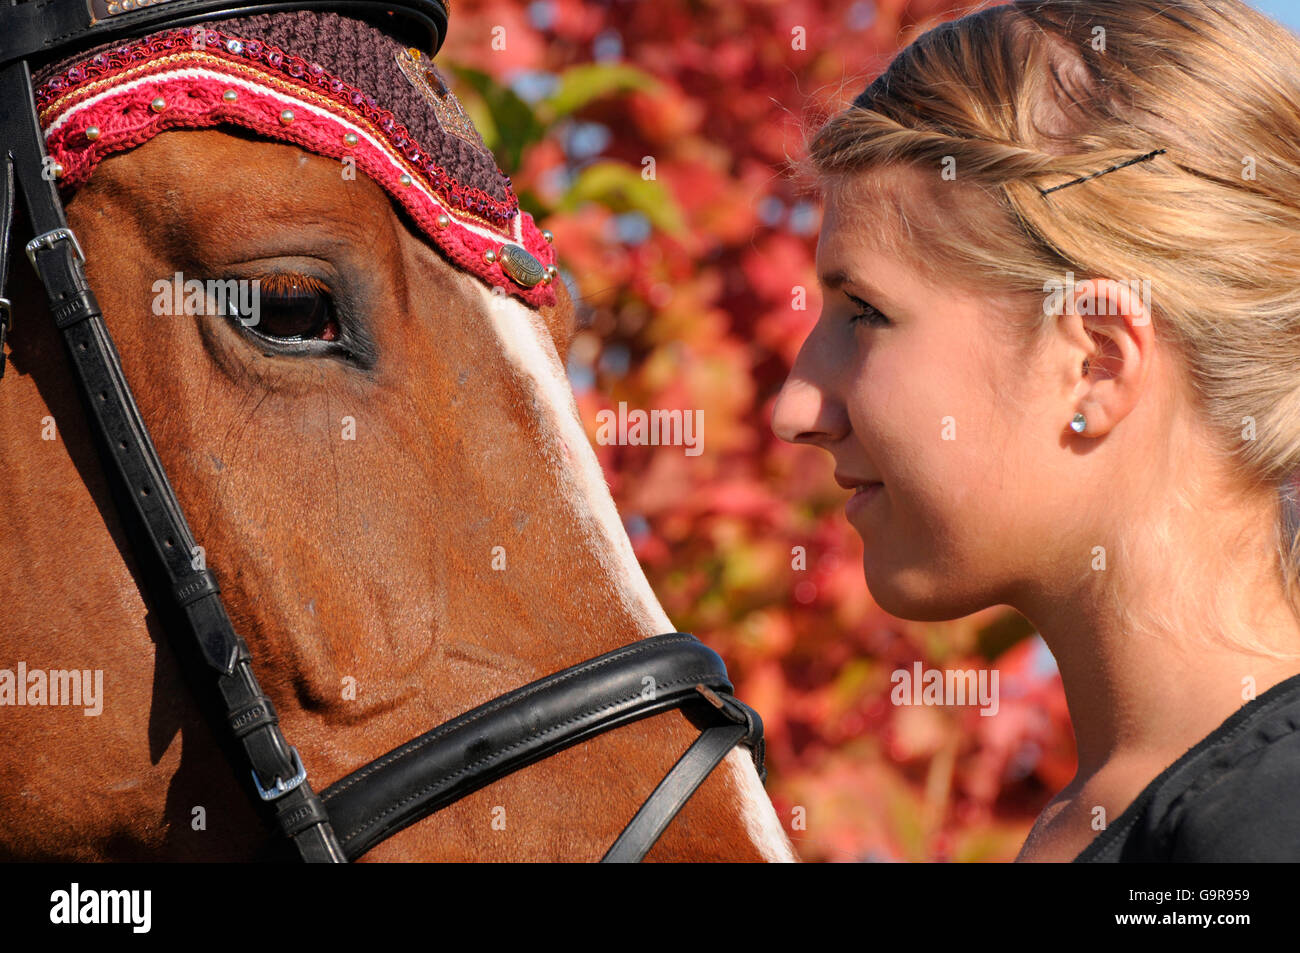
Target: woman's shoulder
{"type": "Point", "coordinates": [1232, 797]}
{"type": "Point", "coordinates": [1247, 811]}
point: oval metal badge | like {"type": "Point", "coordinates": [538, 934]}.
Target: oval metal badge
{"type": "Point", "coordinates": [520, 265]}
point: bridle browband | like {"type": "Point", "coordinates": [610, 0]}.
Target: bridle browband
{"type": "Point", "coordinates": [673, 671]}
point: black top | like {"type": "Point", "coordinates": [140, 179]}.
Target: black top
{"type": "Point", "coordinates": [1235, 796]}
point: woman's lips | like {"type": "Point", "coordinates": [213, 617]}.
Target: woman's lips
{"type": "Point", "coordinates": [862, 497]}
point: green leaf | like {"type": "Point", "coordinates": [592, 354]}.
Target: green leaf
{"type": "Point", "coordinates": [583, 85]}
{"type": "Point", "coordinates": [620, 188]}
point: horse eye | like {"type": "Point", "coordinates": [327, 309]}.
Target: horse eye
{"type": "Point", "coordinates": [290, 308]}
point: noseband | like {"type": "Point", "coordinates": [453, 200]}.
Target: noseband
{"type": "Point", "coordinates": [348, 818]}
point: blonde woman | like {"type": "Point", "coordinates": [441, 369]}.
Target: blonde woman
{"type": "Point", "coordinates": [1058, 364]}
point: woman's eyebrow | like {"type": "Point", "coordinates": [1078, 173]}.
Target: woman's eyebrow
{"type": "Point", "coordinates": [832, 280]}
{"type": "Point", "coordinates": [837, 278]}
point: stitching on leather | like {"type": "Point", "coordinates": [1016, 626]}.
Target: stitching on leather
{"type": "Point", "coordinates": [440, 732]}
{"type": "Point", "coordinates": [415, 744]}
{"type": "Point", "coordinates": [40, 6]}
{"type": "Point", "coordinates": [375, 821]}
{"type": "Point", "coordinates": [496, 755]}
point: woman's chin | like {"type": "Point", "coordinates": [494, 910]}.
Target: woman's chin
{"type": "Point", "coordinates": [916, 598]}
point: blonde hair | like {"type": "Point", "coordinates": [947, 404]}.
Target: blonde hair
{"type": "Point", "coordinates": [1017, 99]}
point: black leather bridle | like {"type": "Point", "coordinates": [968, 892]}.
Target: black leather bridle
{"type": "Point", "coordinates": [673, 671]}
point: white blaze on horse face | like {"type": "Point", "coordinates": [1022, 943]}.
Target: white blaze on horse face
{"type": "Point", "coordinates": [526, 342]}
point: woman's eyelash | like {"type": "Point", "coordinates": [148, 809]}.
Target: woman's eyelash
{"type": "Point", "coordinates": [867, 313]}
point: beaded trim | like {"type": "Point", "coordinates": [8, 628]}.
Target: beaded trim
{"type": "Point", "coordinates": [117, 93]}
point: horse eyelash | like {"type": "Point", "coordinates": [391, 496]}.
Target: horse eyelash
{"type": "Point", "coordinates": [282, 282]}
{"type": "Point", "coordinates": [354, 342]}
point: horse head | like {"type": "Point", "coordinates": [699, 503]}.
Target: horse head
{"type": "Point", "coordinates": [295, 236]}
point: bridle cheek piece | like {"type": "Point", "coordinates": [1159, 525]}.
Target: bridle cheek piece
{"type": "Point", "coordinates": [343, 822]}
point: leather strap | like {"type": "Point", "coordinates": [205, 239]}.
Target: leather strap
{"type": "Point", "coordinates": [44, 28]}
{"type": "Point", "coordinates": [6, 229]}
{"type": "Point", "coordinates": [520, 728]}
{"type": "Point", "coordinates": [127, 452]}
{"type": "Point", "coordinates": [673, 792]}
{"type": "Point", "coordinates": [677, 787]}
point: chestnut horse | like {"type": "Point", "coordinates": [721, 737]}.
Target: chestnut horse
{"type": "Point", "coordinates": [400, 535]}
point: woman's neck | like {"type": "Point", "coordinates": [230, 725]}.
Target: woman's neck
{"type": "Point", "coordinates": [1159, 647]}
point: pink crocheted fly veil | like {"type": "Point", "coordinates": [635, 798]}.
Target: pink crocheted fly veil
{"type": "Point", "coordinates": [329, 84]}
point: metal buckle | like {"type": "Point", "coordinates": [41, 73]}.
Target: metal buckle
{"type": "Point", "coordinates": [48, 240]}
{"type": "Point", "coordinates": [281, 788]}
{"type": "Point", "coordinates": [6, 315]}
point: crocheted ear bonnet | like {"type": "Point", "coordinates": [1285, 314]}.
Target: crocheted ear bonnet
{"type": "Point", "coordinates": [332, 85]}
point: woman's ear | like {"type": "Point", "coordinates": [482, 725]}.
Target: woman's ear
{"type": "Point", "coordinates": [1110, 343]}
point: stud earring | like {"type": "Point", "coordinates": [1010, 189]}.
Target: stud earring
{"type": "Point", "coordinates": [1079, 423]}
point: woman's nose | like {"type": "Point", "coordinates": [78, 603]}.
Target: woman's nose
{"type": "Point", "coordinates": [807, 410]}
